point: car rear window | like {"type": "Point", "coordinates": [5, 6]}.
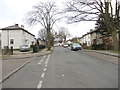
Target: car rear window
{"type": "Point", "coordinates": [24, 46]}
{"type": "Point", "coordinates": [76, 44]}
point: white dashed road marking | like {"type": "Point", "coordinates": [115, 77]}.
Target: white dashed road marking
{"type": "Point", "coordinates": [46, 65]}
{"type": "Point", "coordinates": [44, 69]}
{"type": "Point", "coordinates": [48, 58]}
{"type": "Point", "coordinates": [39, 84]}
{"type": "Point", "coordinates": [46, 62]}
{"type": "Point", "coordinates": [41, 60]}
{"type": "Point", "coordinates": [43, 74]}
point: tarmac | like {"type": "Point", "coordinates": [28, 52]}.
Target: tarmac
{"type": "Point", "coordinates": [12, 63]}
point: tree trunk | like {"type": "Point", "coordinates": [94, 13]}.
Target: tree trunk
{"type": "Point", "coordinates": [115, 40]}
{"type": "Point", "coordinates": [119, 41]}
{"type": "Point", "coordinates": [48, 38]}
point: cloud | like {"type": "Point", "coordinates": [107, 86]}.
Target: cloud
{"type": "Point", "coordinates": [14, 11]}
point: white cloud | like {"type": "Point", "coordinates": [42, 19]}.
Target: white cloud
{"type": "Point", "coordinates": [14, 11]}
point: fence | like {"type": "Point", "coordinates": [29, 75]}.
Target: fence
{"type": "Point", "coordinates": [37, 48]}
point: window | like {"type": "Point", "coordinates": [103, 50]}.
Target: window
{"type": "Point", "coordinates": [11, 41]}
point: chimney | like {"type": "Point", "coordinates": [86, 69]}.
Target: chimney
{"type": "Point", "coordinates": [22, 26]}
{"type": "Point", "coordinates": [16, 24]}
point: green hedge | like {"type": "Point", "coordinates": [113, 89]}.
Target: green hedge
{"type": "Point", "coordinates": [98, 46]}
{"type": "Point", "coordinates": [37, 48]}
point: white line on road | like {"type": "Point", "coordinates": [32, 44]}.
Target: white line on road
{"type": "Point", "coordinates": [39, 84]}
{"type": "Point", "coordinates": [46, 65]}
{"type": "Point", "coordinates": [48, 58]}
{"type": "Point", "coordinates": [41, 60]}
{"type": "Point", "coordinates": [44, 69]}
{"type": "Point", "coordinates": [43, 74]}
{"type": "Point", "coordinates": [46, 62]}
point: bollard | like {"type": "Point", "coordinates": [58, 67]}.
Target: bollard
{"type": "Point", "coordinates": [11, 50]}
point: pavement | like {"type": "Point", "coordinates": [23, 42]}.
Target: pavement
{"type": "Point", "coordinates": [105, 52]}
{"type": "Point", "coordinates": [21, 55]}
{"type": "Point", "coordinates": [13, 63]}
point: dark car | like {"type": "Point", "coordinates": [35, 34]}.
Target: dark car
{"type": "Point", "coordinates": [76, 46]}
{"type": "Point", "coordinates": [23, 48]}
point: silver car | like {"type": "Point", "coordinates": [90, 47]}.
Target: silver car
{"type": "Point", "coordinates": [24, 48]}
{"type": "Point", "coordinates": [76, 46]}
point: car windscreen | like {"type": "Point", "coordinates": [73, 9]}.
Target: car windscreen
{"type": "Point", "coordinates": [76, 45]}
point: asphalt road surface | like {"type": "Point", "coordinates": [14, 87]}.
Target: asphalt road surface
{"type": "Point", "coordinates": [65, 69]}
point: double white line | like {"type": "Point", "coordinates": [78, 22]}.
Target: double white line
{"type": "Point", "coordinates": [47, 59]}
{"type": "Point", "coordinates": [43, 59]}
{"type": "Point", "coordinates": [43, 74]}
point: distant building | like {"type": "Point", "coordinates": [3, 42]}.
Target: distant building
{"type": "Point", "coordinates": [91, 37]}
{"type": "Point", "coordinates": [16, 36]}
{"type": "Point", "coordinates": [58, 38]}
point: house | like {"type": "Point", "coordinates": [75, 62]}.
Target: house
{"type": "Point", "coordinates": [41, 41]}
{"type": "Point", "coordinates": [95, 36]}
{"type": "Point", "coordinates": [91, 37]}
{"type": "Point", "coordinates": [58, 38]}
{"type": "Point", "coordinates": [86, 39]}
{"type": "Point", "coordinates": [14, 36]}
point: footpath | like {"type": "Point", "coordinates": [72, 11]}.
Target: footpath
{"type": "Point", "coordinates": [103, 55]}
{"type": "Point", "coordinates": [105, 52]}
{"type": "Point", "coordinates": [12, 63]}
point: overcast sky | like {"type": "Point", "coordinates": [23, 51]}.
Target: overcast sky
{"type": "Point", "coordinates": [14, 12]}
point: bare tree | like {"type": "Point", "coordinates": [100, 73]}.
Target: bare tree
{"type": "Point", "coordinates": [42, 34]}
{"type": "Point", "coordinates": [46, 14]}
{"type": "Point", "coordinates": [91, 10]}
{"type": "Point", "coordinates": [64, 33]}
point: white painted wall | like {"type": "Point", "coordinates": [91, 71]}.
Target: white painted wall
{"type": "Point", "coordinates": [20, 37]}
{"type": "Point", "coordinates": [11, 34]}
{"type": "Point", "coordinates": [86, 39]}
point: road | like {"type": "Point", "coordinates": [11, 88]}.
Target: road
{"type": "Point", "coordinates": [65, 69]}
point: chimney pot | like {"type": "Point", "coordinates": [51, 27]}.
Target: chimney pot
{"type": "Point", "coordinates": [16, 24]}
{"type": "Point", "coordinates": [22, 26]}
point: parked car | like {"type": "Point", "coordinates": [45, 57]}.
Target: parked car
{"type": "Point", "coordinates": [65, 45]}
{"type": "Point", "coordinates": [61, 44]}
{"type": "Point", "coordinates": [76, 46]}
{"type": "Point", "coordinates": [24, 48]}
{"type": "Point", "coordinates": [57, 44]}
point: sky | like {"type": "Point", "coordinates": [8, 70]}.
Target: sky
{"type": "Point", "coordinates": [14, 12]}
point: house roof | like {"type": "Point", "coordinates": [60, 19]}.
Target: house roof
{"type": "Point", "coordinates": [16, 27]}
{"type": "Point", "coordinates": [93, 31]}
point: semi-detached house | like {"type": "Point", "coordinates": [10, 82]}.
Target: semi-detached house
{"type": "Point", "coordinates": [15, 36]}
